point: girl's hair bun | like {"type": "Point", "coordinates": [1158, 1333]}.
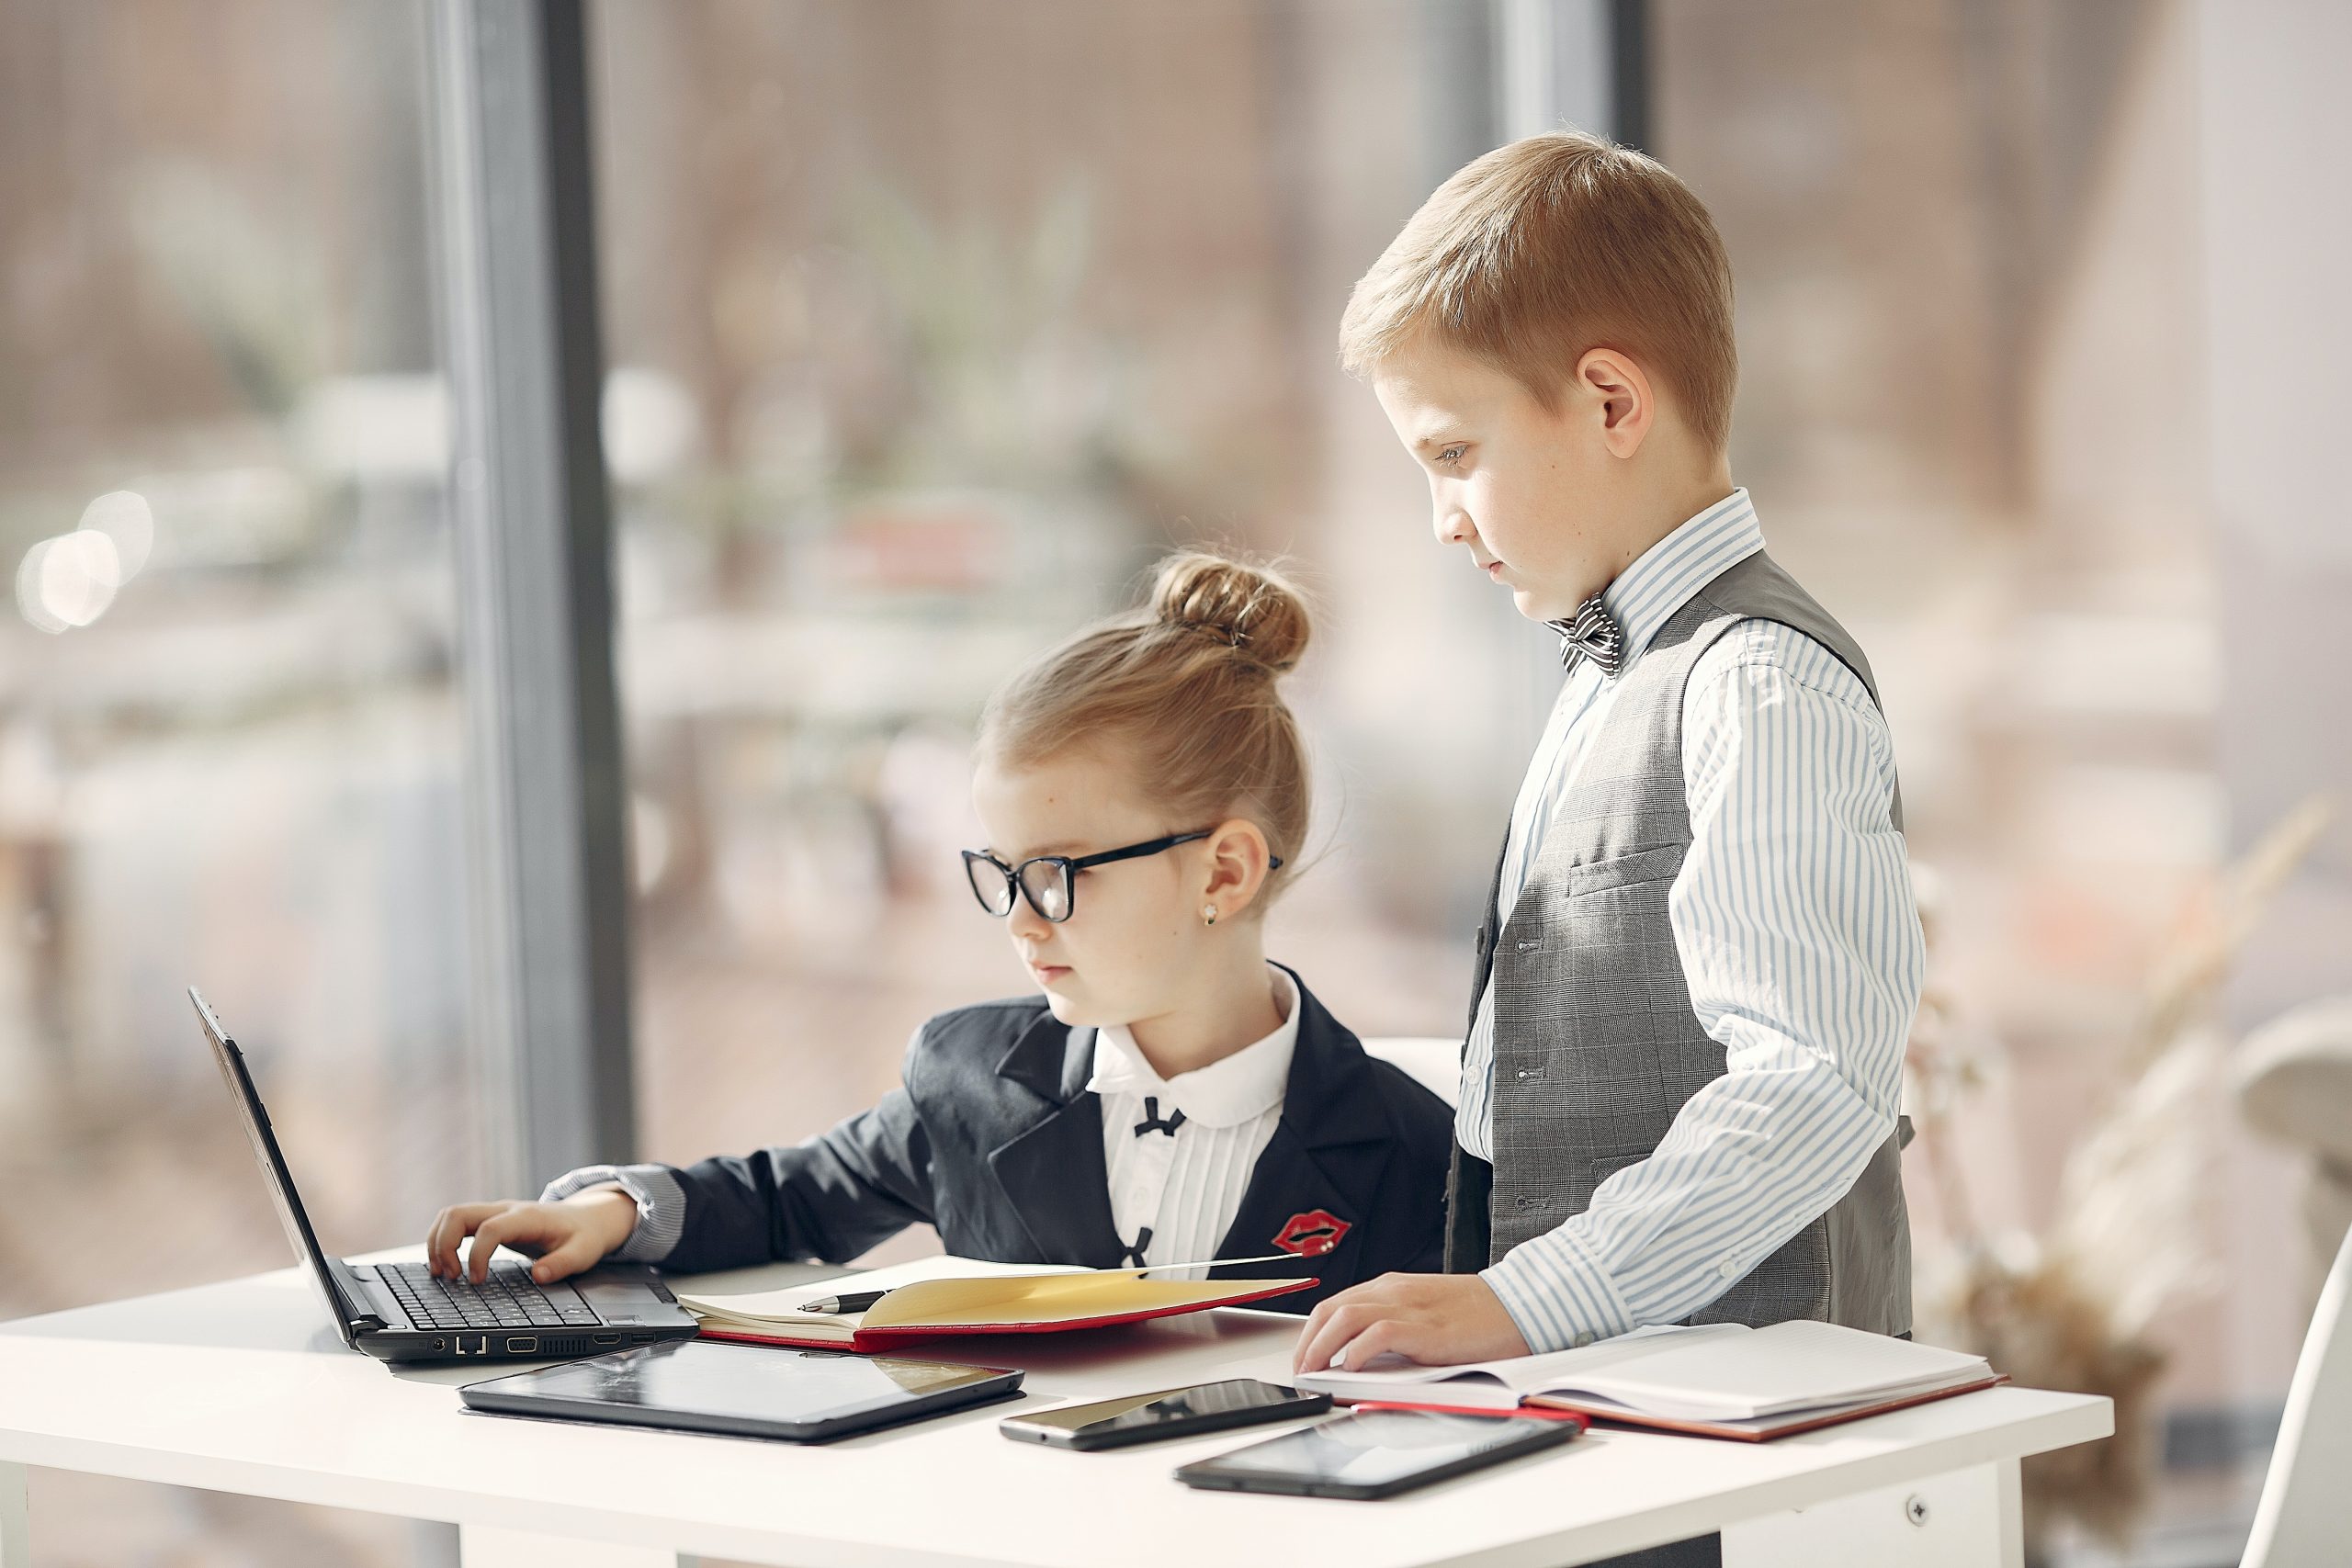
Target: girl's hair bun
{"type": "Point", "coordinates": [1252, 609]}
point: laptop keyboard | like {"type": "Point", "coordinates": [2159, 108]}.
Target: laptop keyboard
{"type": "Point", "coordinates": [508, 1298]}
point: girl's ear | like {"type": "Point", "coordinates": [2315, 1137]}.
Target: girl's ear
{"type": "Point", "coordinates": [1238, 861]}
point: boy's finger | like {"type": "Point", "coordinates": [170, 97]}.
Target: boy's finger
{"type": "Point", "coordinates": [1380, 1336]}
{"type": "Point", "coordinates": [1343, 1326]}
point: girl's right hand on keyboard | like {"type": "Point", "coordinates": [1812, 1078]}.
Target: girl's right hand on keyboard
{"type": "Point", "coordinates": [564, 1237]}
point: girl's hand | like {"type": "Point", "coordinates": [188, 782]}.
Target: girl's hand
{"type": "Point", "coordinates": [565, 1238]}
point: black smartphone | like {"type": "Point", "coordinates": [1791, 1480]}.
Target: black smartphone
{"type": "Point", "coordinates": [1170, 1413]}
{"type": "Point", "coordinates": [1378, 1453]}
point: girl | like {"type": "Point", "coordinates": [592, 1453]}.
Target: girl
{"type": "Point", "coordinates": [1169, 1095]}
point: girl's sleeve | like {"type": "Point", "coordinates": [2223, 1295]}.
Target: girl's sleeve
{"type": "Point", "coordinates": [828, 1198]}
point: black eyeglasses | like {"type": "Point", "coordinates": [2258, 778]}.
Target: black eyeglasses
{"type": "Point", "coordinates": [1046, 880]}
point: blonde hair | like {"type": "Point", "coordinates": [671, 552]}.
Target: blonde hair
{"type": "Point", "coordinates": [1184, 689]}
{"type": "Point", "coordinates": [1545, 250]}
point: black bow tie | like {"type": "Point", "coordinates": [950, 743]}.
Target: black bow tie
{"type": "Point", "coordinates": [1151, 1121]}
{"type": "Point", "coordinates": [1592, 633]}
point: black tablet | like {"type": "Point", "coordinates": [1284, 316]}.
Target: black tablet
{"type": "Point", "coordinates": [745, 1391]}
{"type": "Point", "coordinates": [1376, 1454]}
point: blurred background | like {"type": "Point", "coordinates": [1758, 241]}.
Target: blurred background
{"type": "Point", "coordinates": [927, 325]}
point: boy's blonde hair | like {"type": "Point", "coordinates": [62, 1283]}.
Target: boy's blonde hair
{"type": "Point", "coordinates": [1547, 249]}
{"type": "Point", "coordinates": [1184, 690]}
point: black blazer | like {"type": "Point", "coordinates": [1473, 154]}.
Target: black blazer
{"type": "Point", "coordinates": [995, 1139]}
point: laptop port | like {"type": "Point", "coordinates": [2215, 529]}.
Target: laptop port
{"type": "Point", "coordinates": [440, 1344]}
{"type": "Point", "coordinates": [518, 1345]}
{"type": "Point", "coordinates": [608, 1338]}
{"type": "Point", "coordinates": [481, 1345]}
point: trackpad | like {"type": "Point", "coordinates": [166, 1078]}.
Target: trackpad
{"type": "Point", "coordinates": [619, 1301]}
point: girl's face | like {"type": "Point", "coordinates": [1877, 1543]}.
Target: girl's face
{"type": "Point", "coordinates": [1134, 941]}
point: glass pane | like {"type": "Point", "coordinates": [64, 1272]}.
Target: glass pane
{"type": "Point", "coordinates": [932, 325]}
{"type": "Point", "coordinates": [229, 733]}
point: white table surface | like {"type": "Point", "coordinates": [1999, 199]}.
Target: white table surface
{"type": "Point", "coordinates": [243, 1387]}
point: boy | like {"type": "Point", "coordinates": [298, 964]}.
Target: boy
{"type": "Point", "coordinates": [1701, 959]}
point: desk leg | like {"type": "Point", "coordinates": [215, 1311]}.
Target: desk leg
{"type": "Point", "coordinates": [15, 1529]}
{"type": "Point", "coordinates": [485, 1546]}
{"type": "Point", "coordinates": [1970, 1518]}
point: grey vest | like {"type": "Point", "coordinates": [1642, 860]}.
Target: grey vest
{"type": "Point", "coordinates": [1596, 1043]}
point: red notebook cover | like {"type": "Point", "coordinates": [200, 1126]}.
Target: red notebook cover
{"type": "Point", "coordinates": [866, 1340]}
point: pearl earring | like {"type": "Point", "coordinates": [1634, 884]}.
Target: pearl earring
{"type": "Point", "coordinates": [1208, 914]}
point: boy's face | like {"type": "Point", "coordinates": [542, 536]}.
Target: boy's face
{"type": "Point", "coordinates": [1531, 492]}
{"type": "Point", "coordinates": [1134, 939]}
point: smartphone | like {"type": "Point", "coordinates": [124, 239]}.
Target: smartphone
{"type": "Point", "coordinates": [1170, 1413]}
{"type": "Point", "coordinates": [1376, 1454]}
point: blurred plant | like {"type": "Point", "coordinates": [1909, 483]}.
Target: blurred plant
{"type": "Point", "coordinates": [2072, 1309]}
{"type": "Point", "coordinates": [255, 289]}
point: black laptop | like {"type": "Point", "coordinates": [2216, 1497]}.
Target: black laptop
{"type": "Point", "coordinates": [398, 1312]}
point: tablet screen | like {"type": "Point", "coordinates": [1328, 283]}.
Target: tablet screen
{"type": "Point", "coordinates": [748, 1382]}
{"type": "Point", "coordinates": [1378, 1447]}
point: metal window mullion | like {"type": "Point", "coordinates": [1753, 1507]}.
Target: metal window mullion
{"type": "Point", "coordinates": [547, 899]}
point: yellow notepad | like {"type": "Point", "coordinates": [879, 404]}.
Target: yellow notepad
{"type": "Point", "coordinates": [962, 1295]}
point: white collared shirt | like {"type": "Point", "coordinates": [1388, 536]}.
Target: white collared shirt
{"type": "Point", "coordinates": [1181, 1177]}
{"type": "Point", "coordinates": [1793, 919]}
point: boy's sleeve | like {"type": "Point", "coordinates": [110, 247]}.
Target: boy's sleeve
{"type": "Point", "coordinates": [830, 1198]}
{"type": "Point", "coordinates": [1796, 928]}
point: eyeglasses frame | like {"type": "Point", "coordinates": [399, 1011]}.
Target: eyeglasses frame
{"type": "Point", "coordinates": [1071, 866]}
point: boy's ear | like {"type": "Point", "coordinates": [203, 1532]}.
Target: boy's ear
{"type": "Point", "coordinates": [1618, 388]}
{"type": "Point", "coordinates": [1238, 857]}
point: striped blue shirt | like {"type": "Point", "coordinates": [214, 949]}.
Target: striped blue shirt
{"type": "Point", "coordinates": [1793, 919]}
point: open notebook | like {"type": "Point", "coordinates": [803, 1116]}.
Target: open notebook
{"type": "Point", "coordinates": [935, 1296]}
{"type": "Point", "coordinates": [1721, 1379]}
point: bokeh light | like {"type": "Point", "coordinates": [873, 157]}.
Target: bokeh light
{"type": "Point", "coordinates": [69, 580]}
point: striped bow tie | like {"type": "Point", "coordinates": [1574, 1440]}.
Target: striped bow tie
{"type": "Point", "coordinates": [1593, 633]}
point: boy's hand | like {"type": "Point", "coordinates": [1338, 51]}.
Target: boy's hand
{"type": "Point", "coordinates": [565, 1238]}
{"type": "Point", "coordinates": [1435, 1319]}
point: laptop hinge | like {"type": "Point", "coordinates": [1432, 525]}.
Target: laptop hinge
{"type": "Point", "coordinates": [347, 1285]}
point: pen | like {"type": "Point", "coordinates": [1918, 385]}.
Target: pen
{"type": "Point", "coordinates": [857, 1301]}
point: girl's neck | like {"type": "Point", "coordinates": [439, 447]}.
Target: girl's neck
{"type": "Point", "coordinates": [1236, 1004]}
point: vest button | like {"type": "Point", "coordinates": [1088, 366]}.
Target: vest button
{"type": "Point", "coordinates": [1527, 1203]}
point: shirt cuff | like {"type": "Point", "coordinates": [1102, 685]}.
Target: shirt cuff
{"type": "Point", "coordinates": [1559, 1296]}
{"type": "Point", "coordinates": [660, 1205]}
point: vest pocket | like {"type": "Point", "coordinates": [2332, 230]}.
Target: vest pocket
{"type": "Point", "coordinates": [1620, 871]}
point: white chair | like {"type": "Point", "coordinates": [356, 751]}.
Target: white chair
{"type": "Point", "coordinates": [2304, 1519]}
{"type": "Point", "coordinates": [1434, 1062]}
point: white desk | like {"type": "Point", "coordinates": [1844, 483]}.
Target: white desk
{"type": "Point", "coordinates": [241, 1387]}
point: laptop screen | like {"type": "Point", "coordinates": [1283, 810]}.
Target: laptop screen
{"type": "Point", "coordinates": [305, 1243]}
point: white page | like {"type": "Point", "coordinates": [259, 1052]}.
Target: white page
{"type": "Point", "coordinates": [1773, 1370]}
{"type": "Point", "coordinates": [1500, 1383]}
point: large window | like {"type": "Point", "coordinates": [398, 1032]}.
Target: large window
{"type": "Point", "coordinates": [932, 325]}
{"type": "Point", "coordinates": [228, 737]}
